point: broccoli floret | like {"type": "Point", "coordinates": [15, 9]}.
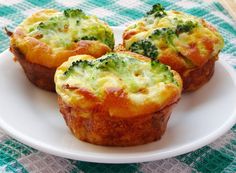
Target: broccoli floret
{"type": "Point", "coordinates": [157, 32]}
{"type": "Point", "coordinates": [108, 63]}
{"type": "Point", "coordinates": [47, 25]}
{"type": "Point", "coordinates": [78, 63]}
{"type": "Point", "coordinates": [159, 67]}
{"type": "Point", "coordinates": [158, 10]}
{"type": "Point", "coordinates": [162, 32]}
{"type": "Point", "coordinates": [88, 38]}
{"type": "Point", "coordinates": [54, 23]}
{"type": "Point", "coordinates": [111, 61]}
{"type": "Point", "coordinates": [106, 38]}
{"type": "Point", "coordinates": [166, 33]}
{"type": "Point", "coordinates": [185, 27]}
{"type": "Point", "coordinates": [41, 25]}
{"type": "Point", "coordinates": [144, 47]}
{"type": "Point", "coordinates": [164, 72]}
{"type": "Point", "coordinates": [109, 39]}
{"type": "Point", "coordinates": [74, 13]}
{"type": "Point", "coordinates": [77, 22]}
{"type": "Point", "coordinates": [154, 63]}
{"type": "Point", "coordinates": [108, 56]}
{"type": "Point", "coordinates": [163, 67]}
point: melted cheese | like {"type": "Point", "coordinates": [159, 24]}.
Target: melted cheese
{"type": "Point", "coordinates": [178, 43]}
{"type": "Point", "coordinates": [141, 81]}
{"type": "Point", "coordinates": [61, 31]}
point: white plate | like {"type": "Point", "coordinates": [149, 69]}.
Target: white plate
{"type": "Point", "coordinates": [31, 116]}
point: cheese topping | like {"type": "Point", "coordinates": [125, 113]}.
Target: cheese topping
{"type": "Point", "coordinates": [184, 35]}
{"type": "Point", "coordinates": [141, 81]}
{"type": "Point", "coordinates": [60, 29]}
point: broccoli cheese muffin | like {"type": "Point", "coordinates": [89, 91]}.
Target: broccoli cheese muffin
{"type": "Point", "coordinates": [119, 99]}
{"type": "Point", "coordinates": [188, 44]}
{"type": "Point", "coordinates": [46, 39]}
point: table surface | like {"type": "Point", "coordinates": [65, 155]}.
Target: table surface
{"type": "Point", "coordinates": [230, 6]}
{"type": "Point", "coordinates": [219, 156]}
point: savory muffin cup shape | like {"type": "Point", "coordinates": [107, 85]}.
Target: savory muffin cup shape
{"type": "Point", "coordinates": [43, 41]}
{"type": "Point", "coordinates": [119, 99]}
{"type": "Point", "coordinates": [186, 43]}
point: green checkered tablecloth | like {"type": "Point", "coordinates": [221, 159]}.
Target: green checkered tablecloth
{"type": "Point", "coordinates": [219, 156]}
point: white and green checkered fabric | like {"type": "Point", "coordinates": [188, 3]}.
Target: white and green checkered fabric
{"type": "Point", "coordinates": [219, 156]}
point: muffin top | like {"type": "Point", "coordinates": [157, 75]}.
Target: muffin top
{"type": "Point", "coordinates": [55, 32]}
{"type": "Point", "coordinates": [175, 38]}
{"type": "Point", "coordinates": [122, 84]}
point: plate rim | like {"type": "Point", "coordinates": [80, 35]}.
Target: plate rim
{"type": "Point", "coordinates": [132, 158]}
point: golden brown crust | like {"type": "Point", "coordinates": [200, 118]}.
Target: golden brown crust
{"type": "Point", "coordinates": [39, 75]}
{"type": "Point", "coordinates": [196, 78]}
{"type": "Point", "coordinates": [99, 127]}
